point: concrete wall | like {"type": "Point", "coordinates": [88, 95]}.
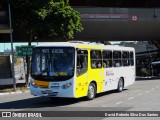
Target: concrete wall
{"type": "Point", "coordinates": [141, 12]}
{"type": "Point", "coordinates": [5, 70]}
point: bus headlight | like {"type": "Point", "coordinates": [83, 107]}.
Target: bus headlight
{"type": "Point", "coordinates": [65, 86]}
{"type": "Point", "coordinates": [34, 84]}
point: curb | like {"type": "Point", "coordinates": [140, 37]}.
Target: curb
{"type": "Point", "coordinates": [11, 93]}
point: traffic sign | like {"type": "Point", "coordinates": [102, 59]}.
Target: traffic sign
{"type": "Point", "coordinates": [23, 51]}
{"type": "Point", "coordinates": [134, 18]}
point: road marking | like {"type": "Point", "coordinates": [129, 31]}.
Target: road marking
{"type": "Point", "coordinates": [152, 88]}
{"type": "Point", "coordinates": [119, 102]}
{"type": "Point", "coordinates": [130, 98]}
{"type": "Point", "coordinates": [103, 106]}
{"type": "Point", "coordinates": [140, 94]}
{"type": "Point", "coordinates": [147, 92]}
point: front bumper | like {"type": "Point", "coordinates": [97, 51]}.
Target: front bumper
{"type": "Point", "coordinates": [52, 92]}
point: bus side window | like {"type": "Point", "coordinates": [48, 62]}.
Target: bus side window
{"type": "Point", "coordinates": [117, 59]}
{"type": "Point", "coordinates": [107, 58]}
{"type": "Point", "coordinates": [131, 58]}
{"type": "Point", "coordinates": [96, 59]}
{"type": "Point", "coordinates": [125, 58]}
{"type": "Point", "coordinates": [82, 62]}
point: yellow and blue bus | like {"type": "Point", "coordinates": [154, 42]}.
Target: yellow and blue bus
{"type": "Point", "coordinates": [78, 69]}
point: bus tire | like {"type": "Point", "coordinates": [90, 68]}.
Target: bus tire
{"type": "Point", "coordinates": [120, 85]}
{"type": "Point", "coordinates": [91, 91]}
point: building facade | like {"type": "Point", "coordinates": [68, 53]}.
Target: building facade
{"type": "Point", "coordinates": [146, 54]}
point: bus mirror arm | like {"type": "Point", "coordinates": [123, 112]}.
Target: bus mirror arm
{"type": "Point", "coordinates": [78, 67]}
{"type": "Point", "coordinates": [77, 49]}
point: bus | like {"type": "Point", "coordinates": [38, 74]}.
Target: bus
{"type": "Point", "coordinates": [78, 69]}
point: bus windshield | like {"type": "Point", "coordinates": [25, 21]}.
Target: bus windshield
{"type": "Point", "coordinates": [53, 63]}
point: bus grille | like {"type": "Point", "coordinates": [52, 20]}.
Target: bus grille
{"type": "Point", "coordinates": [49, 93]}
{"type": "Point", "coordinates": [43, 86]}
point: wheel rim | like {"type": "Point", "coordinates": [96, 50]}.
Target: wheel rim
{"type": "Point", "coordinates": [91, 91]}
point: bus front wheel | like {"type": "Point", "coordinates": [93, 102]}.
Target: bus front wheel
{"type": "Point", "coordinates": [91, 91]}
{"type": "Point", "coordinates": [120, 85]}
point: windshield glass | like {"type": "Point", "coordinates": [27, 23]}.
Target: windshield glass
{"type": "Point", "coordinates": [53, 62]}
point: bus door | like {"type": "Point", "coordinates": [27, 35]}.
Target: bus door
{"type": "Point", "coordinates": [82, 73]}
{"type": "Point", "coordinates": [97, 71]}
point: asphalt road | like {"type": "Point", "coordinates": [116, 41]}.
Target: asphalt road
{"type": "Point", "coordinates": [144, 95]}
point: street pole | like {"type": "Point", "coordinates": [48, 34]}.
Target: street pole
{"type": "Point", "coordinates": [148, 47]}
{"type": "Point", "coordinates": [4, 49]}
{"type": "Point", "coordinates": [150, 63]}
{"type": "Point", "coordinates": [11, 39]}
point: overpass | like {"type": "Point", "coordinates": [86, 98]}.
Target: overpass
{"type": "Point", "coordinates": [140, 24]}
{"type": "Point", "coordinates": [104, 24]}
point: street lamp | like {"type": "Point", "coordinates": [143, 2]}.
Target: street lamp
{"type": "Point", "coordinates": [4, 49]}
{"type": "Point", "coordinates": [11, 39]}
{"type": "Point", "coordinates": [148, 47]}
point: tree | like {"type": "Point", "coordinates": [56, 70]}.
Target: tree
{"type": "Point", "coordinates": [45, 19]}
{"type": "Point", "coordinates": [104, 42]}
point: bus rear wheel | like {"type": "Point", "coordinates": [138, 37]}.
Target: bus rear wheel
{"type": "Point", "coordinates": [120, 85]}
{"type": "Point", "coordinates": [91, 91]}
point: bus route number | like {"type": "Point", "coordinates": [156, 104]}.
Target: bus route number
{"type": "Point", "coordinates": [45, 50]}
{"type": "Point", "coordinates": [57, 51]}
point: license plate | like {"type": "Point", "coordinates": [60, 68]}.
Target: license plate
{"type": "Point", "coordinates": [49, 92]}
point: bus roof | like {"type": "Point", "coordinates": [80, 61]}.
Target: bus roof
{"type": "Point", "coordinates": [81, 44]}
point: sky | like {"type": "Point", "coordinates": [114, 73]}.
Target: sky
{"type": "Point", "coordinates": [5, 46]}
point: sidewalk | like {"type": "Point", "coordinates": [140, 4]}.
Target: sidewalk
{"type": "Point", "coordinates": [20, 83]}
{"type": "Point", "coordinates": [11, 93]}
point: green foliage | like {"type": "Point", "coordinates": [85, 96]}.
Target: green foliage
{"type": "Point", "coordinates": [46, 18]}
{"type": "Point", "coordinates": [59, 20]}
{"type": "Point", "coordinates": [104, 42]}
{"type": "Point", "coordinates": [144, 72]}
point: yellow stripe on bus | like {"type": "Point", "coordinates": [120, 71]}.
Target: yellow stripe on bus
{"type": "Point", "coordinates": [42, 84]}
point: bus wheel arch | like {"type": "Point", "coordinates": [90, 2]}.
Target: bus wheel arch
{"type": "Point", "coordinates": [92, 90]}
{"type": "Point", "coordinates": [123, 81]}
{"type": "Point", "coordinates": [120, 84]}
{"type": "Point", "coordinates": [95, 84]}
